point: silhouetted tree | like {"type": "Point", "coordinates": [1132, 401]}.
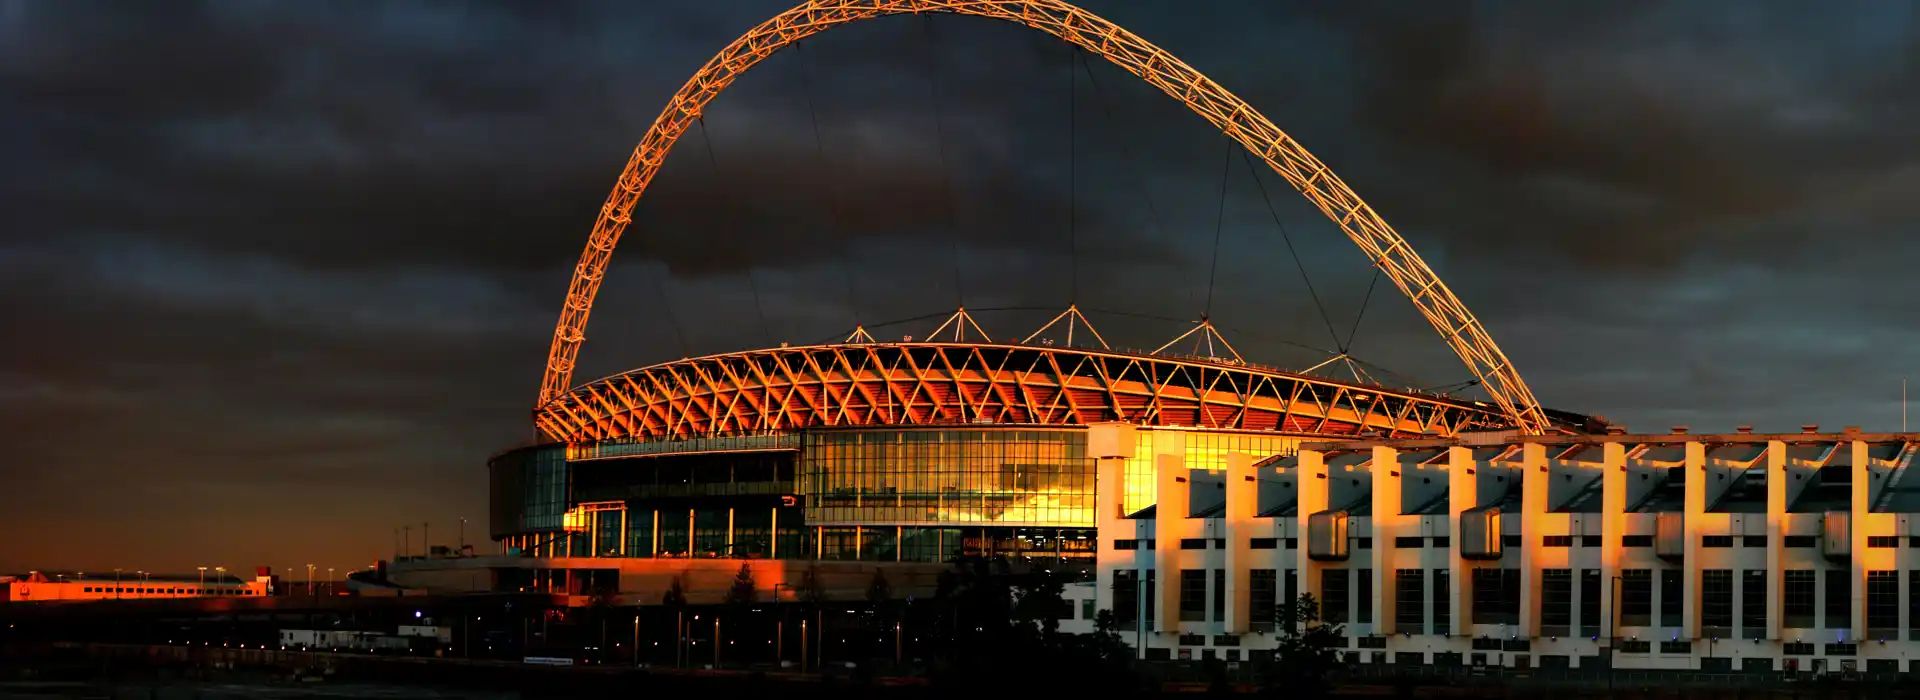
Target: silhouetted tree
{"type": "Point", "coordinates": [742, 594]}
{"type": "Point", "coordinates": [1307, 649]}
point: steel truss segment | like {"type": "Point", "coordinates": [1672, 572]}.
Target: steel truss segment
{"type": "Point", "coordinates": [1232, 115]}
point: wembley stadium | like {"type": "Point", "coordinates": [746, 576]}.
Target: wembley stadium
{"type": "Point", "coordinates": [866, 453]}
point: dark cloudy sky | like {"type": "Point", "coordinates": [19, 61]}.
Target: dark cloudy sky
{"type": "Point", "coordinates": [277, 277]}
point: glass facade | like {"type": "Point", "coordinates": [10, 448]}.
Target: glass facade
{"type": "Point", "coordinates": [926, 477]}
{"type": "Point", "coordinates": [871, 494]}
{"type": "Point", "coordinates": [1206, 451]}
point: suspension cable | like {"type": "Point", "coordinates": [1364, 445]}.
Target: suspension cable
{"type": "Point", "coordinates": [726, 226]}
{"type": "Point", "coordinates": [1297, 264]}
{"type": "Point", "coordinates": [834, 212]}
{"type": "Point", "coordinates": [666, 304]}
{"type": "Point", "coordinates": [940, 147]}
{"type": "Point", "coordinates": [1073, 176]}
{"type": "Point", "coordinates": [1219, 222]}
{"type": "Point", "coordinates": [1126, 146]}
{"type": "Point", "coordinates": [1363, 310]}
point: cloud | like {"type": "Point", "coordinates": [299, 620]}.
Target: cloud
{"type": "Point", "coordinates": [282, 259]}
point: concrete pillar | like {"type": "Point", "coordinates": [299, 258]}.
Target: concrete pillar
{"type": "Point", "coordinates": [1534, 480]}
{"type": "Point", "coordinates": [1464, 493]}
{"type": "Point", "coordinates": [1695, 472]}
{"type": "Point", "coordinates": [1170, 514]}
{"type": "Point", "coordinates": [1386, 521]}
{"type": "Point", "coordinates": [1242, 492]}
{"type": "Point", "coordinates": [1110, 445]}
{"type": "Point", "coordinates": [1613, 526]}
{"type": "Point", "coordinates": [1776, 464]}
{"type": "Point", "coordinates": [1857, 536]}
{"type": "Point", "coordinates": [1313, 490]}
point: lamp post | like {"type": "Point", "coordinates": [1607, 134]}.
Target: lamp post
{"type": "Point", "coordinates": [309, 580]}
{"type": "Point", "coordinates": [462, 543]}
{"type": "Point", "coordinates": [203, 581]}
{"type": "Point", "coordinates": [636, 636]}
{"type": "Point", "coordinates": [329, 580]}
{"type": "Point", "coordinates": [221, 575]}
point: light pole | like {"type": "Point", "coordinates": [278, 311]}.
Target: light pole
{"type": "Point", "coordinates": [329, 580]}
{"type": "Point", "coordinates": [636, 636]}
{"type": "Point", "coordinates": [309, 580]}
{"type": "Point", "coordinates": [221, 575]}
{"type": "Point", "coordinates": [462, 544]}
{"type": "Point", "coordinates": [203, 581]}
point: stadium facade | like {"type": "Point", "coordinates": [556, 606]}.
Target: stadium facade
{"type": "Point", "coordinates": [838, 459]}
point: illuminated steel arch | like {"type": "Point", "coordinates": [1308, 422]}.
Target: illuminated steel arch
{"type": "Point", "coordinates": [1234, 117]}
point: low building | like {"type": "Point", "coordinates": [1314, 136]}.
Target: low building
{"type": "Point", "coordinates": [1728, 552]}
{"type": "Point", "coordinates": [39, 587]}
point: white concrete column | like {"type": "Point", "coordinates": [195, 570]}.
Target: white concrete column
{"type": "Point", "coordinates": [1533, 509]}
{"type": "Point", "coordinates": [1110, 444]}
{"type": "Point", "coordinates": [1857, 535]}
{"type": "Point", "coordinates": [1386, 522]}
{"type": "Point", "coordinates": [1242, 491]}
{"type": "Point", "coordinates": [1313, 491]}
{"type": "Point", "coordinates": [1613, 526]}
{"type": "Point", "coordinates": [1463, 494]}
{"type": "Point", "coordinates": [1776, 464]}
{"type": "Point", "coordinates": [1695, 472]}
{"type": "Point", "coordinates": [1170, 514]}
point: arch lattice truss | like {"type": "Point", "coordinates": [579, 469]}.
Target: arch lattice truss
{"type": "Point", "coordinates": [878, 384]}
{"type": "Point", "coordinates": [1388, 251]}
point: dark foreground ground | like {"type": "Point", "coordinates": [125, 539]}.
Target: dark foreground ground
{"type": "Point", "coordinates": [133, 672]}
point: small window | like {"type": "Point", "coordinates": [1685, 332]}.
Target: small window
{"type": "Point", "coordinates": [1293, 543]}
{"type": "Point", "coordinates": [1636, 647]}
{"type": "Point", "coordinates": [1510, 540]}
{"type": "Point", "coordinates": [1842, 649]}
{"type": "Point", "coordinates": [1226, 640]}
{"type": "Point", "coordinates": [1264, 543]}
{"type": "Point", "coordinates": [1409, 542]}
{"type": "Point", "coordinates": [1557, 541]}
{"type": "Point", "coordinates": [1364, 543]}
{"type": "Point", "coordinates": [1799, 541]}
{"type": "Point", "coordinates": [1677, 646]}
{"type": "Point", "coordinates": [1636, 540]}
{"type": "Point", "coordinates": [1442, 542]}
{"type": "Point", "coordinates": [1219, 543]}
{"type": "Point", "coordinates": [1883, 542]}
{"type": "Point", "coordinates": [1193, 543]}
{"type": "Point", "coordinates": [1193, 640]}
{"type": "Point", "coordinates": [1589, 540]}
{"type": "Point", "coordinates": [1913, 542]}
{"type": "Point", "coordinates": [1124, 545]}
{"type": "Point", "coordinates": [1716, 541]}
{"type": "Point", "coordinates": [1371, 642]}
{"type": "Point", "coordinates": [1753, 541]}
{"type": "Point", "coordinates": [1797, 649]}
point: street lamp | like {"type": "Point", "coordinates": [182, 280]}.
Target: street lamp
{"type": "Point", "coordinates": [329, 580]}
{"type": "Point", "coordinates": [203, 582]}
{"type": "Point", "coordinates": [309, 580]}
